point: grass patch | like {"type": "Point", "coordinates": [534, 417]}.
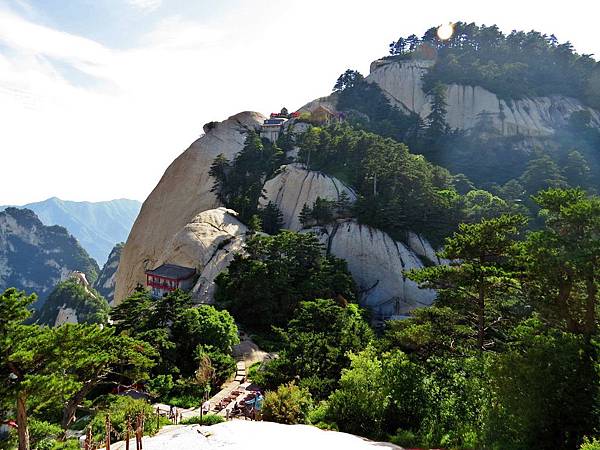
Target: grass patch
{"type": "Point", "coordinates": [208, 419]}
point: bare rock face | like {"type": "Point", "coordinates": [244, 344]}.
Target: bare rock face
{"type": "Point", "coordinates": [472, 106]}
{"type": "Point", "coordinates": [377, 263]}
{"type": "Point", "coordinates": [296, 186]}
{"type": "Point", "coordinates": [105, 284]}
{"type": "Point", "coordinates": [207, 243]}
{"type": "Point", "coordinates": [182, 193]}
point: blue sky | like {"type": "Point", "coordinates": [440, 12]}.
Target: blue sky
{"type": "Point", "coordinates": [97, 97]}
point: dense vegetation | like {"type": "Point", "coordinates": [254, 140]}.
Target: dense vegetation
{"type": "Point", "coordinates": [61, 378]}
{"type": "Point", "coordinates": [238, 183]}
{"type": "Point", "coordinates": [276, 274]}
{"type": "Point", "coordinates": [506, 359]}
{"type": "Point", "coordinates": [398, 191]}
{"type": "Point", "coordinates": [513, 66]}
{"type": "Point", "coordinates": [316, 344]}
{"type": "Point", "coordinates": [512, 168]}
{"type": "Point", "coordinates": [194, 344]}
{"type": "Point", "coordinates": [48, 372]}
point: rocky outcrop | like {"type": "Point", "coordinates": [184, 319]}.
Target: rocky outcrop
{"type": "Point", "coordinates": [182, 193]}
{"type": "Point", "coordinates": [472, 106]}
{"type": "Point", "coordinates": [207, 243]}
{"type": "Point", "coordinates": [296, 186]}
{"type": "Point", "coordinates": [105, 284]}
{"type": "Point", "coordinates": [378, 265]}
{"type": "Point", "coordinates": [73, 301]}
{"type": "Point", "coordinates": [35, 257]}
{"type": "Point", "coordinates": [422, 248]}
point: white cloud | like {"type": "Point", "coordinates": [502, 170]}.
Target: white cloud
{"type": "Point", "coordinates": [145, 5]}
{"type": "Point", "coordinates": [115, 135]}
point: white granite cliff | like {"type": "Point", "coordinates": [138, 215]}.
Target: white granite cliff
{"type": "Point", "coordinates": [401, 82]}
{"type": "Point", "coordinates": [183, 192]}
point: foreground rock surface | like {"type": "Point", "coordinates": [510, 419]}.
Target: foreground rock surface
{"type": "Point", "coordinates": [182, 193]}
{"type": "Point", "coordinates": [250, 435]}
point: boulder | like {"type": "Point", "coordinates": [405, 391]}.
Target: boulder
{"type": "Point", "coordinates": [182, 193]}
{"type": "Point", "coordinates": [208, 243]}
{"type": "Point", "coordinates": [295, 186]}
{"type": "Point", "coordinates": [378, 264]}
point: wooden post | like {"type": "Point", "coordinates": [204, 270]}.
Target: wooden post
{"type": "Point", "coordinates": [87, 444]}
{"type": "Point", "coordinates": [107, 426]}
{"type": "Point", "coordinates": [138, 438]}
{"type": "Point", "coordinates": [141, 430]}
{"type": "Point", "coordinates": [127, 433]}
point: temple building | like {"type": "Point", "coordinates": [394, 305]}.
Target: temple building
{"type": "Point", "coordinates": [168, 277]}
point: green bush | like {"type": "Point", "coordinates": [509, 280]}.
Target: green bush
{"type": "Point", "coordinates": [289, 404]}
{"type": "Point", "coordinates": [319, 418]}
{"type": "Point", "coordinates": [43, 434]}
{"type": "Point", "coordinates": [161, 385]}
{"type": "Point", "coordinates": [184, 400]}
{"type": "Point", "coordinates": [120, 407]}
{"type": "Point", "coordinates": [208, 419]}
{"type": "Point", "coordinates": [405, 438]}
{"type": "Point", "coordinates": [590, 444]}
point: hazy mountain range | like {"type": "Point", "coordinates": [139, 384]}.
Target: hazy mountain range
{"type": "Point", "coordinates": [97, 226]}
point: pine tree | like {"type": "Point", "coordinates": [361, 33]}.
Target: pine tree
{"type": "Point", "coordinates": [322, 211]}
{"type": "Point", "coordinates": [576, 170]}
{"type": "Point", "coordinates": [541, 173]}
{"type": "Point", "coordinates": [254, 224]}
{"type": "Point", "coordinates": [481, 272]}
{"type": "Point", "coordinates": [348, 79]}
{"type": "Point", "coordinates": [272, 218]}
{"type": "Point", "coordinates": [343, 204]}
{"type": "Point", "coordinates": [436, 120]}
{"type": "Point", "coordinates": [305, 216]}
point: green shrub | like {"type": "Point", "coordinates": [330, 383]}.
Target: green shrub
{"type": "Point", "coordinates": [405, 438]}
{"type": "Point", "coordinates": [184, 400]}
{"type": "Point", "coordinates": [43, 434]}
{"type": "Point", "coordinates": [70, 444]}
{"type": "Point", "coordinates": [208, 419]}
{"type": "Point", "coordinates": [289, 404]}
{"type": "Point", "coordinates": [161, 385]}
{"type": "Point", "coordinates": [120, 407]}
{"type": "Point", "coordinates": [590, 444]}
{"type": "Point", "coordinates": [319, 418]}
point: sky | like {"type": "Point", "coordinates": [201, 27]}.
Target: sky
{"type": "Point", "coordinates": [97, 97]}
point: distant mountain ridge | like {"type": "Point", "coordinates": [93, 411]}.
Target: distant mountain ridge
{"type": "Point", "coordinates": [98, 226]}
{"type": "Point", "coordinates": [35, 257]}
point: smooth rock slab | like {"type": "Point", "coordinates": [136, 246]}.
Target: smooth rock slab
{"type": "Point", "coordinates": [250, 435]}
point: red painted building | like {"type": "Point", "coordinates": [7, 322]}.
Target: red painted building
{"type": "Point", "coordinates": [168, 277]}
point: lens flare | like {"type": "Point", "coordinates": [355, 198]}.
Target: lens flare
{"type": "Point", "coordinates": [445, 31]}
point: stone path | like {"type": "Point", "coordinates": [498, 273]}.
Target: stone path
{"type": "Point", "coordinates": [246, 354]}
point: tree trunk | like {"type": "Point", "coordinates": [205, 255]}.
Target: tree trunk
{"type": "Point", "coordinates": [481, 318]}
{"type": "Point", "coordinates": [22, 421]}
{"type": "Point", "coordinates": [590, 311]}
{"type": "Point", "coordinates": [72, 404]}
{"type": "Point", "coordinates": [564, 294]}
